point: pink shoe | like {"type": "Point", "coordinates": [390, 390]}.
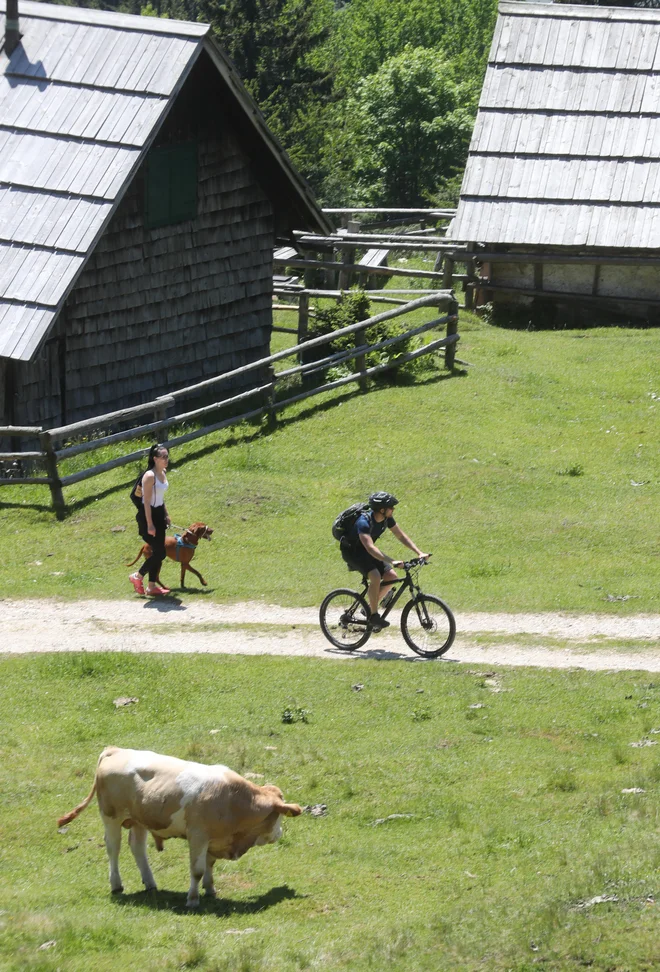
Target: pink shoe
{"type": "Point", "coordinates": [156, 590]}
{"type": "Point", "coordinates": [136, 581]}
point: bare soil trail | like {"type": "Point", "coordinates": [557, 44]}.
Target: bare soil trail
{"type": "Point", "coordinates": [192, 624]}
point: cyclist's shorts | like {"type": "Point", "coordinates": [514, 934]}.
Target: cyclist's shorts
{"type": "Point", "coordinates": [361, 560]}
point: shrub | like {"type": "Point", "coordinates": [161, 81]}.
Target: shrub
{"type": "Point", "coordinates": [352, 307]}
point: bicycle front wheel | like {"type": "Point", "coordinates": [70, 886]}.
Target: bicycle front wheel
{"type": "Point", "coordinates": [343, 616]}
{"type": "Point", "coordinates": [428, 626]}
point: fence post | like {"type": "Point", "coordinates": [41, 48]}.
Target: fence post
{"type": "Point", "coordinates": [303, 317]}
{"type": "Point", "coordinates": [361, 361]}
{"type": "Point", "coordinates": [448, 272]}
{"type": "Point", "coordinates": [452, 328]}
{"type": "Point", "coordinates": [272, 414]}
{"type": "Point", "coordinates": [53, 475]}
{"type": "Point", "coordinates": [470, 283]}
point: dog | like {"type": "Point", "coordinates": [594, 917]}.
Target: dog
{"type": "Point", "coordinates": [181, 549]}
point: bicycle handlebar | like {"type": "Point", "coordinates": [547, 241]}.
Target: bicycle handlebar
{"type": "Point", "coordinates": [409, 564]}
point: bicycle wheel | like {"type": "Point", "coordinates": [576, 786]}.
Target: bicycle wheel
{"type": "Point", "coordinates": [343, 616]}
{"type": "Point", "coordinates": [428, 626]}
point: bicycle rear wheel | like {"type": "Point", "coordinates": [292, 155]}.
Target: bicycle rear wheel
{"type": "Point", "coordinates": [343, 616]}
{"type": "Point", "coordinates": [428, 626]}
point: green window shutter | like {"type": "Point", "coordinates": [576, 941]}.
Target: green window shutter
{"type": "Point", "coordinates": [171, 185]}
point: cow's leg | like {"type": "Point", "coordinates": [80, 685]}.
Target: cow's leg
{"type": "Point", "coordinates": [113, 846]}
{"type": "Point", "coordinates": [198, 845]}
{"type": "Point", "coordinates": [207, 881]}
{"type": "Point", "coordinates": [137, 841]}
{"type": "Point", "coordinates": [197, 574]}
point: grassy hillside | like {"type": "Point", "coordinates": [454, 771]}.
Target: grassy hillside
{"type": "Point", "coordinates": [533, 478]}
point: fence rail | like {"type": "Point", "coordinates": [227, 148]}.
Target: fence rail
{"type": "Point", "coordinates": [49, 456]}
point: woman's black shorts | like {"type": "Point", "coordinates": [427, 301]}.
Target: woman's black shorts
{"type": "Point", "coordinates": [361, 560]}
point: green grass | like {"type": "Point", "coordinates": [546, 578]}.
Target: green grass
{"type": "Point", "coordinates": [509, 804]}
{"type": "Point", "coordinates": [518, 474]}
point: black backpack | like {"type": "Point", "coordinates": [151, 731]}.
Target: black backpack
{"type": "Point", "coordinates": [136, 492]}
{"type": "Point", "coordinates": [345, 520]}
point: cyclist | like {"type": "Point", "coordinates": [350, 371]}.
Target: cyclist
{"type": "Point", "coordinates": [359, 550]}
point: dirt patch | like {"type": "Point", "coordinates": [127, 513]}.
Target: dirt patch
{"type": "Point", "coordinates": [174, 625]}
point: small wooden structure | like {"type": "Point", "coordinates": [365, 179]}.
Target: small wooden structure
{"type": "Point", "coordinates": [561, 194]}
{"type": "Point", "coordinates": [141, 196]}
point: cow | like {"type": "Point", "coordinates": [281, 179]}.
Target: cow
{"type": "Point", "coordinates": [220, 814]}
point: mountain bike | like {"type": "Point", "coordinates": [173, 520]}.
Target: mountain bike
{"type": "Point", "coordinates": [427, 623]}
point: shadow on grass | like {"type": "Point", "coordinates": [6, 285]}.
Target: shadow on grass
{"type": "Point", "coordinates": [175, 901]}
{"type": "Point", "coordinates": [263, 429]}
{"type": "Point", "coordinates": [383, 654]}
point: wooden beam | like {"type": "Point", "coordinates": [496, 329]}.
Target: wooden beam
{"type": "Point", "coordinates": [426, 212]}
{"type": "Point", "coordinates": [372, 242]}
{"type": "Point", "coordinates": [358, 268]}
{"type": "Point", "coordinates": [123, 414]}
{"type": "Point", "coordinates": [483, 256]}
{"type": "Point", "coordinates": [12, 456]}
{"type": "Point", "coordinates": [560, 295]}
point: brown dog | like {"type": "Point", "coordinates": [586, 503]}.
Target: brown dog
{"type": "Point", "coordinates": [181, 549]}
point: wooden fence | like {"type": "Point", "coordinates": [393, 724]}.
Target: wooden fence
{"type": "Point", "coordinates": [50, 455]}
{"type": "Point", "coordinates": [335, 255]}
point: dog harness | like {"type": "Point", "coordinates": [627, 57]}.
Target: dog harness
{"type": "Point", "coordinates": [181, 543]}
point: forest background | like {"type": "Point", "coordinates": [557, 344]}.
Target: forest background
{"type": "Point", "coordinates": [374, 100]}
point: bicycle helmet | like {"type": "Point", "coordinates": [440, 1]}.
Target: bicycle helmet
{"type": "Point", "coordinates": [381, 500]}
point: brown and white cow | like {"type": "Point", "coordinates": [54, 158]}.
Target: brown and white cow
{"type": "Point", "coordinates": [220, 814]}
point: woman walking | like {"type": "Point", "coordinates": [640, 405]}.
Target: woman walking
{"type": "Point", "coordinates": [152, 520]}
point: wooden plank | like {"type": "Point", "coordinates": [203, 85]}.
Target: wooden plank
{"type": "Point", "coordinates": [561, 295]}
{"type": "Point", "coordinates": [19, 323]}
{"type": "Point", "coordinates": [181, 57]}
{"type": "Point", "coordinates": [391, 271]}
{"type": "Point", "coordinates": [11, 456]}
{"type": "Point", "coordinates": [539, 41]}
{"type": "Point", "coordinates": [506, 40]}
{"type": "Point", "coordinates": [24, 481]}
{"type": "Point", "coordinates": [33, 333]}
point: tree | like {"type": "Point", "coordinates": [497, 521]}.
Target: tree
{"type": "Point", "coordinates": [274, 44]}
{"type": "Point", "coordinates": [413, 124]}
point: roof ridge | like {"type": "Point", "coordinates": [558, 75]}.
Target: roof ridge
{"type": "Point", "coordinates": [546, 8]}
{"type": "Point", "coordinates": [33, 9]}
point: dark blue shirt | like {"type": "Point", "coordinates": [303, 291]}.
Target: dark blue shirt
{"type": "Point", "coordinates": [367, 523]}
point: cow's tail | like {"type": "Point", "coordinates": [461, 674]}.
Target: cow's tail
{"type": "Point", "coordinates": [68, 817]}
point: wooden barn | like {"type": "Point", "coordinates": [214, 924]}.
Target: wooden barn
{"type": "Point", "coordinates": [561, 195]}
{"type": "Point", "coordinates": [141, 196]}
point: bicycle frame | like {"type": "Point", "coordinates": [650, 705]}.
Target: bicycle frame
{"type": "Point", "coordinates": [407, 583]}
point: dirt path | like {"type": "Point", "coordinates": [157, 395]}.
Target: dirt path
{"type": "Point", "coordinates": [597, 642]}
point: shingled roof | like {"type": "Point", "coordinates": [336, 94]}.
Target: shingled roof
{"type": "Point", "coordinates": [566, 146]}
{"type": "Point", "coordinates": [81, 100]}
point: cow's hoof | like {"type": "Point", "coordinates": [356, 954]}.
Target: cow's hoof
{"type": "Point", "coordinates": [119, 890]}
{"type": "Point", "coordinates": [150, 887]}
{"type": "Point", "coordinates": [192, 903]}
{"type": "Point", "coordinates": [210, 892]}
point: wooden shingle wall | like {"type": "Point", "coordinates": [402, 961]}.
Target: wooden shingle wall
{"type": "Point", "coordinates": [154, 310]}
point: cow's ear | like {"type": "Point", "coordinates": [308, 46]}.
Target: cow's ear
{"type": "Point", "coordinates": [288, 809]}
